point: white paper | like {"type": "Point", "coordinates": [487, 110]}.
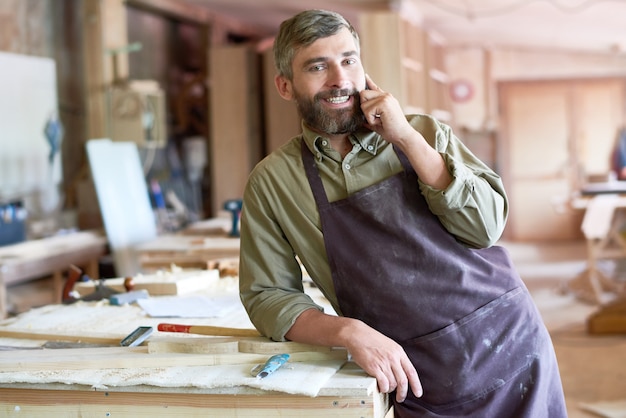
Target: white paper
{"type": "Point", "coordinates": [190, 306]}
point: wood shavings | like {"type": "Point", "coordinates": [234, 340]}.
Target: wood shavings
{"type": "Point", "coordinates": [298, 378]}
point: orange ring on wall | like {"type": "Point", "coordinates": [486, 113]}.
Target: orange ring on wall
{"type": "Point", "coordinates": [461, 90]}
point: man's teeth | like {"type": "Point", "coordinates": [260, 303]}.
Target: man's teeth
{"type": "Point", "coordinates": [337, 100]}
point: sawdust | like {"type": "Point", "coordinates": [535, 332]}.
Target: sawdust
{"type": "Point", "coordinates": [296, 378]}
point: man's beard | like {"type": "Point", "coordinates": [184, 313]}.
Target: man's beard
{"type": "Point", "coordinates": [330, 121]}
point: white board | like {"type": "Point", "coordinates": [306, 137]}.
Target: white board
{"type": "Point", "coordinates": [28, 98]}
{"type": "Point", "coordinates": [124, 200]}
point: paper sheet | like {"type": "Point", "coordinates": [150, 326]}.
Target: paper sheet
{"type": "Point", "coordinates": [190, 306]}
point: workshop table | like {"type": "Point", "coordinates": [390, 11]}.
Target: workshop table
{"type": "Point", "coordinates": [350, 393]}
{"type": "Point", "coordinates": [50, 256]}
{"type": "Point", "coordinates": [347, 392]}
{"type": "Point", "coordinates": [603, 224]}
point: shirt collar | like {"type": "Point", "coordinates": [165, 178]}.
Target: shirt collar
{"type": "Point", "coordinates": [370, 141]}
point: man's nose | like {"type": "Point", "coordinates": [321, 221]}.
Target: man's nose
{"type": "Point", "coordinates": [338, 77]}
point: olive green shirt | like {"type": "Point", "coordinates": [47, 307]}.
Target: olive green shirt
{"type": "Point", "coordinates": [280, 224]}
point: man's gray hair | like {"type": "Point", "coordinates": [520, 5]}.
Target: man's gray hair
{"type": "Point", "coordinates": [302, 30]}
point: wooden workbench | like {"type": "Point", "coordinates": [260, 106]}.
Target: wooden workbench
{"type": "Point", "coordinates": [347, 392]}
{"type": "Point", "coordinates": [602, 226]}
{"type": "Point", "coordinates": [49, 256]}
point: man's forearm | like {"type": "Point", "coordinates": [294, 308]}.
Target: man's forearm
{"type": "Point", "coordinates": [318, 328]}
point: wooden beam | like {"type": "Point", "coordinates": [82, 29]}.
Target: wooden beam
{"type": "Point", "coordinates": [135, 357]}
{"type": "Point", "coordinates": [193, 13]}
{"type": "Point", "coordinates": [93, 64]}
{"type": "Point", "coordinates": [185, 402]}
{"type": "Point", "coordinates": [174, 9]}
{"type": "Point", "coordinates": [29, 334]}
{"type": "Point", "coordinates": [202, 345]}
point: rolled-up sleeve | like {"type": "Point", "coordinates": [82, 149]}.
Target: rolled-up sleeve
{"type": "Point", "coordinates": [474, 206]}
{"type": "Point", "coordinates": [270, 276]}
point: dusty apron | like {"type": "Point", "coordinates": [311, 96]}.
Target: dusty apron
{"type": "Point", "coordinates": [463, 316]}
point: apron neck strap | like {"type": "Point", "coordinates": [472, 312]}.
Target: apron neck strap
{"type": "Point", "coordinates": [313, 175]}
{"type": "Point", "coordinates": [315, 180]}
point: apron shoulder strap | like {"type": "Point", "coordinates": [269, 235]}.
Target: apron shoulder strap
{"type": "Point", "coordinates": [313, 174]}
{"type": "Point", "coordinates": [404, 160]}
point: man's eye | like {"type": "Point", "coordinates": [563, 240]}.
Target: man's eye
{"type": "Point", "coordinates": [351, 61]}
{"type": "Point", "coordinates": [316, 68]}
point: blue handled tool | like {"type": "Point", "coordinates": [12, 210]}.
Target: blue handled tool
{"type": "Point", "coordinates": [234, 207]}
{"type": "Point", "coordinates": [261, 371]}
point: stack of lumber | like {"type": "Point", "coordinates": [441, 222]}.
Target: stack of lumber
{"type": "Point", "coordinates": [186, 251]}
{"type": "Point", "coordinates": [173, 282]}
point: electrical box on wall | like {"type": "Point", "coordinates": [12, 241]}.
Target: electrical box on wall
{"type": "Point", "coordinates": [137, 113]}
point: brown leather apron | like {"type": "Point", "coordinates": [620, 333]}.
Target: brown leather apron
{"type": "Point", "coordinates": [463, 316]}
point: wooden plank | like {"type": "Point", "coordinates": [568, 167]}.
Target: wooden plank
{"type": "Point", "coordinates": [190, 244]}
{"type": "Point", "coordinates": [49, 256]}
{"type": "Point", "coordinates": [264, 345]}
{"type": "Point", "coordinates": [52, 403]}
{"type": "Point", "coordinates": [31, 259]}
{"type": "Point", "coordinates": [97, 338]}
{"type": "Point", "coordinates": [186, 251]}
{"type": "Point", "coordinates": [134, 357]}
{"type": "Point", "coordinates": [201, 345]}
{"type": "Point", "coordinates": [217, 345]}
{"type": "Point", "coordinates": [165, 283]}
{"type": "Point", "coordinates": [219, 226]}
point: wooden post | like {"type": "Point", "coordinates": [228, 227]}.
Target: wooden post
{"type": "Point", "coordinates": [104, 28]}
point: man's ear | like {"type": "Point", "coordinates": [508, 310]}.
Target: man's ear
{"type": "Point", "coordinates": [284, 87]}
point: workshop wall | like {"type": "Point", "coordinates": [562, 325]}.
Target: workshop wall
{"type": "Point", "coordinates": [55, 29]}
{"type": "Point", "coordinates": [581, 90]}
{"type": "Point", "coordinates": [25, 27]}
{"type": "Point", "coordinates": [483, 68]}
{"type": "Point", "coordinates": [29, 36]}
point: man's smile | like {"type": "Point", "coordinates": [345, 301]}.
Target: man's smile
{"type": "Point", "coordinates": [338, 99]}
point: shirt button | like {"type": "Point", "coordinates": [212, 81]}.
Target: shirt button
{"type": "Point", "coordinates": [324, 143]}
{"type": "Point", "coordinates": [347, 166]}
{"type": "Point", "coordinates": [370, 147]}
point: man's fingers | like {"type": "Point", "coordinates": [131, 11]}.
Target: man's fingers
{"type": "Point", "coordinates": [383, 383]}
{"type": "Point", "coordinates": [403, 386]}
{"type": "Point", "coordinates": [370, 84]}
{"type": "Point", "coordinates": [413, 378]}
{"type": "Point", "coordinates": [389, 380]}
{"type": "Point", "coordinates": [416, 387]}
